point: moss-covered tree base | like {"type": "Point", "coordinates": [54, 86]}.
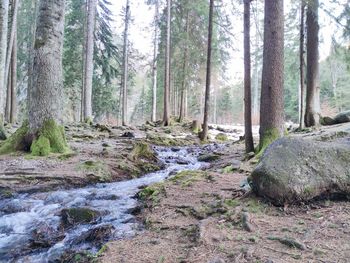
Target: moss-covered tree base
{"type": "Point", "coordinates": [49, 139]}
{"type": "Point", "coordinates": [269, 137]}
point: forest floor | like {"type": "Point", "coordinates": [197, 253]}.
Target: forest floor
{"type": "Point", "coordinates": [206, 216]}
{"type": "Point", "coordinates": [200, 216]}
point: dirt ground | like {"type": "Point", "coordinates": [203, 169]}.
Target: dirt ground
{"type": "Point", "coordinates": [207, 217]}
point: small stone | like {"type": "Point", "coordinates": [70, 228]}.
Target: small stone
{"type": "Point", "coordinates": [216, 260]}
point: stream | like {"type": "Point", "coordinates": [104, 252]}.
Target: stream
{"type": "Point", "coordinates": [40, 213]}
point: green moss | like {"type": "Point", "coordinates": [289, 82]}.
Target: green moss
{"type": "Point", "coordinates": [221, 137]}
{"type": "Point", "coordinates": [153, 193]}
{"type": "Point", "coordinates": [187, 178]}
{"type": "Point", "coordinates": [88, 121]}
{"type": "Point", "coordinates": [40, 146]}
{"type": "Point", "coordinates": [2, 133]}
{"type": "Point", "coordinates": [142, 150]}
{"type": "Point", "coordinates": [167, 141]}
{"type": "Point", "coordinates": [16, 141]}
{"type": "Point", "coordinates": [208, 157]}
{"type": "Point", "coordinates": [97, 169]}
{"type": "Point", "coordinates": [79, 215]}
{"type": "Point", "coordinates": [55, 134]}
{"type": "Point", "coordinates": [269, 137]}
{"type": "Point", "coordinates": [231, 202]}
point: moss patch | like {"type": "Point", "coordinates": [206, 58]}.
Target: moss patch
{"type": "Point", "coordinates": [221, 137]}
{"type": "Point", "coordinates": [97, 169]}
{"type": "Point", "coordinates": [152, 193]}
{"type": "Point", "coordinates": [142, 150]}
{"type": "Point", "coordinates": [79, 215]}
{"type": "Point", "coordinates": [269, 137]}
{"type": "Point", "coordinates": [187, 178]}
{"type": "Point", "coordinates": [40, 146]}
{"type": "Point", "coordinates": [55, 134]}
{"type": "Point", "coordinates": [16, 141]}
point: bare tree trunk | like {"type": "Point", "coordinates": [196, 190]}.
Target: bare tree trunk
{"type": "Point", "coordinates": [256, 64]}
{"type": "Point", "coordinates": [14, 11]}
{"type": "Point", "coordinates": [302, 64]}
{"type": "Point", "coordinates": [82, 95]}
{"type": "Point", "coordinates": [312, 111]}
{"type": "Point", "coordinates": [272, 108]}
{"type": "Point", "coordinates": [166, 119]}
{"type": "Point", "coordinates": [13, 110]}
{"type": "Point", "coordinates": [125, 66]}
{"type": "Point", "coordinates": [184, 70]}
{"type": "Point", "coordinates": [249, 144]}
{"type": "Point", "coordinates": [204, 133]}
{"type": "Point", "coordinates": [89, 60]}
{"type": "Point", "coordinates": [8, 98]}
{"type": "Point", "coordinates": [46, 92]}
{"type": "Point", "coordinates": [154, 71]}
{"type": "Point", "coordinates": [4, 14]}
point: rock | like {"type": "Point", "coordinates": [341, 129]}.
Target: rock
{"type": "Point", "coordinates": [97, 236]}
{"type": "Point", "coordinates": [221, 137]}
{"type": "Point", "coordinates": [79, 215]}
{"type": "Point", "coordinates": [295, 170]}
{"type": "Point", "coordinates": [208, 157]}
{"type": "Point", "coordinates": [128, 135]}
{"type": "Point", "coordinates": [326, 121]}
{"type": "Point", "coordinates": [342, 117]}
{"type": "Point", "coordinates": [236, 164]}
{"type": "Point", "coordinates": [45, 236]}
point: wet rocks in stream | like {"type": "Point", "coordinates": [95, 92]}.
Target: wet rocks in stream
{"type": "Point", "coordinates": [80, 215]}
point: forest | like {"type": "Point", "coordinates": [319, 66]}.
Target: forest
{"type": "Point", "coordinates": [175, 131]}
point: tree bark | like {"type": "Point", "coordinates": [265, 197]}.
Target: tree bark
{"type": "Point", "coordinates": [302, 63]}
{"type": "Point", "coordinates": [82, 95]}
{"type": "Point", "coordinates": [249, 143]}
{"type": "Point", "coordinates": [204, 133]}
{"type": "Point", "coordinates": [312, 110]}
{"type": "Point", "coordinates": [14, 11]}
{"type": "Point", "coordinates": [184, 70]}
{"type": "Point", "coordinates": [46, 91]}
{"type": "Point", "coordinates": [89, 59]}
{"type": "Point", "coordinates": [154, 70]}
{"type": "Point", "coordinates": [4, 13]}
{"type": "Point", "coordinates": [166, 118]}
{"type": "Point", "coordinates": [125, 66]}
{"type": "Point", "coordinates": [13, 110]}
{"type": "Point", "coordinates": [272, 108]}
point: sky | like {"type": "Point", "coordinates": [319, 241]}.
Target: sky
{"type": "Point", "coordinates": [141, 31]}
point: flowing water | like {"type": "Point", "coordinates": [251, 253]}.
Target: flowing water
{"type": "Point", "coordinates": [24, 214]}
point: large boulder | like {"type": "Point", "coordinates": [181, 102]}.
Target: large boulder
{"type": "Point", "coordinates": [342, 117]}
{"type": "Point", "coordinates": [296, 170]}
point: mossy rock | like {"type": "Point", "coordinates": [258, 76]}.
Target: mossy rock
{"type": "Point", "coordinates": [269, 137]}
{"type": "Point", "coordinates": [41, 146]}
{"type": "Point", "coordinates": [153, 193]}
{"type": "Point", "coordinates": [142, 150]}
{"type": "Point", "coordinates": [221, 137]}
{"type": "Point", "coordinates": [16, 142]}
{"type": "Point", "coordinates": [78, 215]}
{"type": "Point", "coordinates": [187, 178]}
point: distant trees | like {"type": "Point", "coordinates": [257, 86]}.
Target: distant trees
{"type": "Point", "coordinates": [302, 63]}
{"type": "Point", "coordinates": [313, 107]}
{"type": "Point", "coordinates": [272, 108]}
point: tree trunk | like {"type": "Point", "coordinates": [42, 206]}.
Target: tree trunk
{"type": "Point", "coordinates": [13, 109]}
{"type": "Point", "coordinates": [184, 71]}
{"type": "Point", "coordinates": [166, 119]}
{"type": "Point", "coordinates": [82, 94]}
{"type": "Point", "coordinates": [154, 71]}
{"type": "Point", "coordinates": [125, 67]}
{"type": "Point", "coordinates": [8, 98]}
{"type": "Point", "coordinates": [312, 111]}
{"type": "Point", "coordinates": [272, 108]}
{"type": "Point", "coordinates": [256, 63]}
{"type": "Point", "coordinates": [249, 144]}
{"type": "Point", "coordinates": [204, 133]}
{"type": "Point", "coordinates": [4, 13]}
{"type": "Point", "coordinates": [46, 92]}
{"type": "Point", "coordinates": [14, 11]}
{"type": "Point", "coordinates": [302, 64]}
{"type": "Point", "coordinates": [89, 59]}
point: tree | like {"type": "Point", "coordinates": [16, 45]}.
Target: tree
{"type": "Point", "coordinates": [249, 144]}
{"type": "Point", "coordinates": [204, 133]}
{"type": "Point", "coordinates": [312, 110]}
{"type": "Point", "coordinates": [125, 66]}
{"type": "Point", "coordinates": [4, 13]}
{"type": "Point", "coordinates": [302, 63]}
{"type": "Point", "coordinates": [154, 67]}
{"type": "Point", "coordinates": [271, 109]}
{"type": "Point", "coordinates": [89, 65]}
{"type": "Point", "coordinates": [166, 118]}
{"type": "Point", "coordinates": [46, 92]}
